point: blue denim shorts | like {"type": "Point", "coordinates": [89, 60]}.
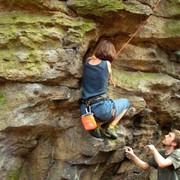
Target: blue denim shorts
{"type": "Point", "coordinates": [121, 104]}
{"type": "Point", "coordinates": [103, 110]}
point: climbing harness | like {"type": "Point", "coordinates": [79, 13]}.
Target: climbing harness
{"type": "Point", "coordinates": [140, 27]}
{"type": "Point", "coordinates": [96, 99]}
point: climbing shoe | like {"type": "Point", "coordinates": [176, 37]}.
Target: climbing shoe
{"type": "Point", "coordinates": [96, 132]}
{"type": "Point", "coordinates": [111, 132]}
{"type": "Point", "coordinates": [103, 130]}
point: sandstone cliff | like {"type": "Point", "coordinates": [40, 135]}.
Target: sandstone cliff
{"type": "Point", "coordinates": [43, 44]}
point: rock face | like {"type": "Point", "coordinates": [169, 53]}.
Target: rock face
{"type": "Point", "coordinates": [43, 44]}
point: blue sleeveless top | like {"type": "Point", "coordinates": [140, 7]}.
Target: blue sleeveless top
{"type": "Point", "coordinates": [95, 79]}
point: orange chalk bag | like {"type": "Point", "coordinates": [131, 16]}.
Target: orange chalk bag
{"type": "Point", "coordinates": [88, 120]}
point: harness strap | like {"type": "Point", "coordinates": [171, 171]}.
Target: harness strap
{"type": "Point", "coordinates": [94, 99]}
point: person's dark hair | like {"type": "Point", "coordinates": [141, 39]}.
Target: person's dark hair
{"type": "Point", "coordinates": [177, 137]}
{"type": "Point", "coordinates": [105, 51]}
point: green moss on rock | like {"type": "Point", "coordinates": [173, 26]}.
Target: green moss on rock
{"type": "Point", "coordinates": [22, 3]}
{"type": "Point", "coordinates": [172, 27]}
{"type": "Point", "coordinates": [32, 28]}
{"type": "Point", "coordinates": [96, 7]}
{"type": "Point", "coordinates": [25, 37]}
{"type": "Point", "coordinates": [2, 98]}
{"type": "Point", "coordinates": [14, 175]}
{"type": "Point", "coordinates": [99, 7]}
{"type": "Point", "coordinates": [140, 81]}
{"type": "Point", "coordinates": [15, 17]}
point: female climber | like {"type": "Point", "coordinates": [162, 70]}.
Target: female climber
{"type": "Point", "coordinates": [97, 73]}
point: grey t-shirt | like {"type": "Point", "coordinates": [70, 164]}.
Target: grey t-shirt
{"type": "Point", "coordinates": [171, 172]}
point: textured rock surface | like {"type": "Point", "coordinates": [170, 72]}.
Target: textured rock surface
{"type": "Point", "coordinates": [43, 44]}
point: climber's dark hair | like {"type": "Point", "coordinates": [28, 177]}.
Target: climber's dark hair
{"type": "Point", "coordinates": [105, 51]}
